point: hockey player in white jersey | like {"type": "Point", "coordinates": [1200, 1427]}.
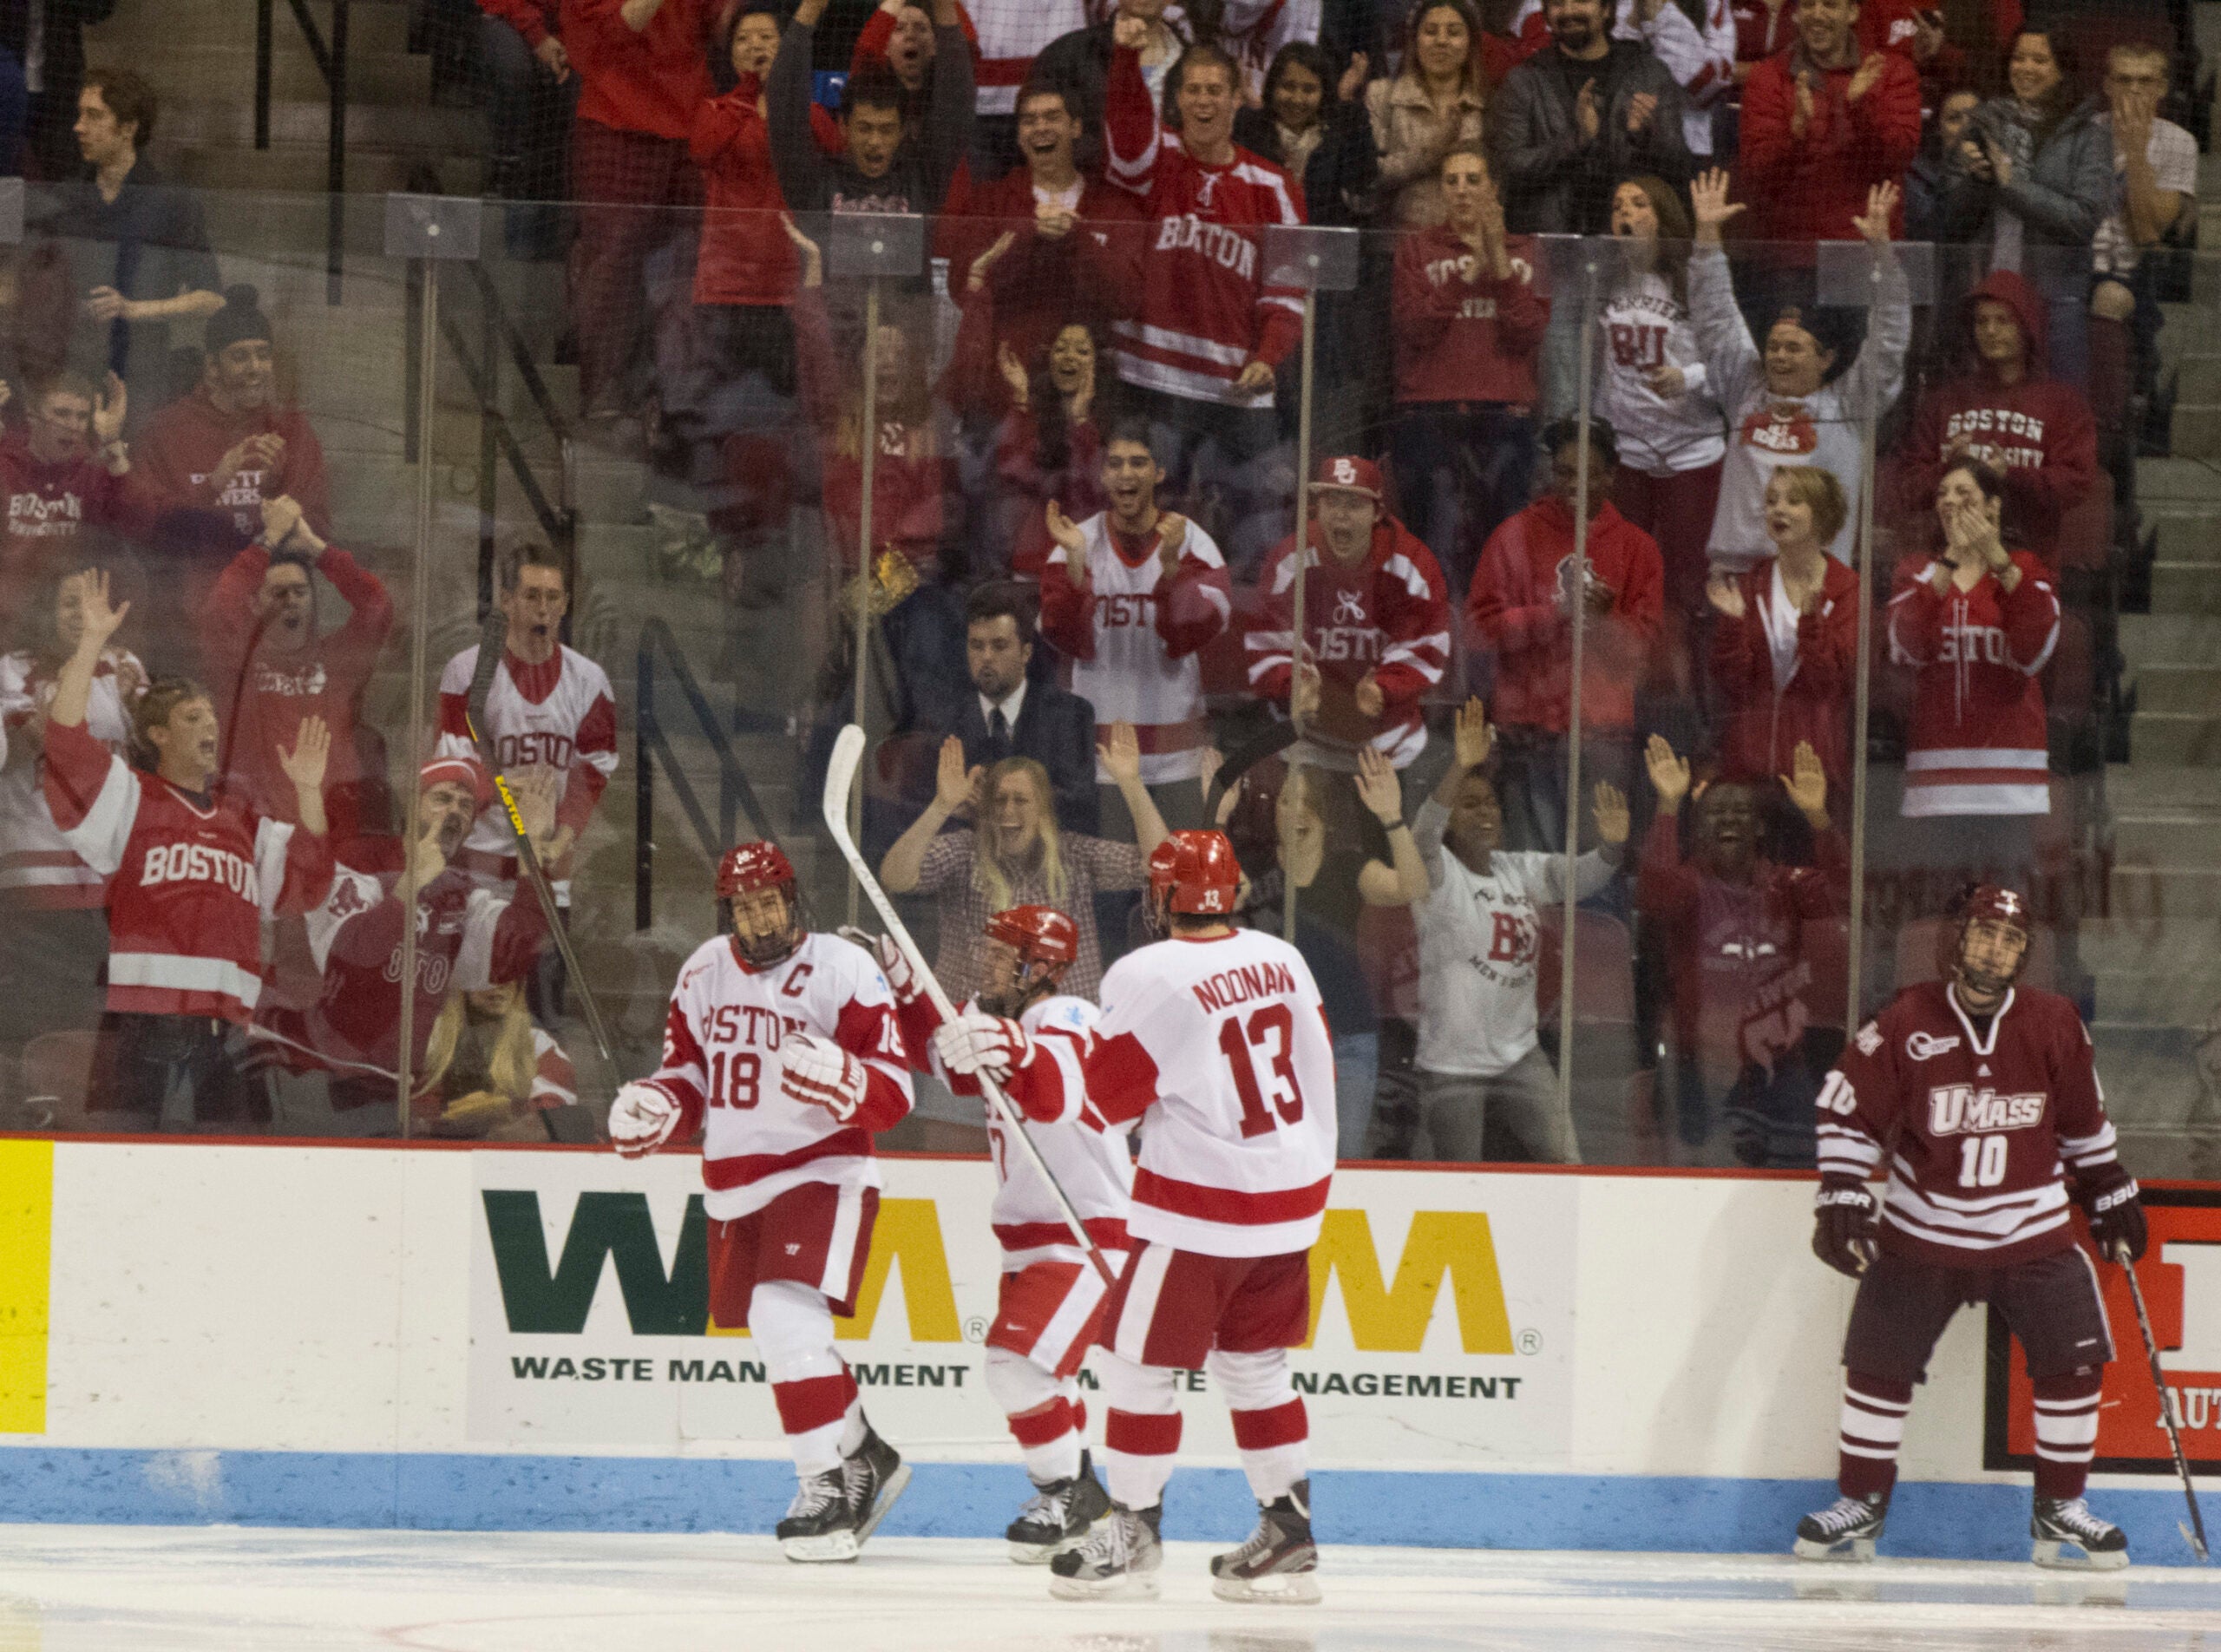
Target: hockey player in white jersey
{"type": "Point", "coordinates": [1217, 1039]}
{"type": "Point", "coordinates": [1052, 1296]}
{"type": "Point", "coordinates": [782, 1049]}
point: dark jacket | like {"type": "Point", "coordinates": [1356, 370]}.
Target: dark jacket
{"type": "Point", "coordinates": [1551, 182]}
{"type": "Point", "coordinates": [2063, 182]}
{"type": "Point", "coordinates": [813, 181]}
{"type": "Point", "coordinates": [1339, 178]}
{"type": "Point", "coordinates": [1056, 727]}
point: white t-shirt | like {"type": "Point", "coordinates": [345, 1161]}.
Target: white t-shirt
{"type": "Point", "coordinates": [2173, 154]}
{"type": "Point", "coordinates": [1478, 946]}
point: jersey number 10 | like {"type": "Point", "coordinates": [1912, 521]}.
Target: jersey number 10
{"type": "Point", "coordinates": [1236, 1042]}
{"type": "Point", "coordinates": [1981, 1161]}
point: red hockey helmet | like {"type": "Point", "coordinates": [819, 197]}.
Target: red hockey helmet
{"type": "Point", "coordinates": [1977, 903]}
{"type": "Point", "coordinates": [1041, 935]}
{"type": "Point", "coordinates": [1194, 873]}
{"type": "Point", "coordinates": [745, 869]}
{"type": "Point", "coordinates": [760, 865]}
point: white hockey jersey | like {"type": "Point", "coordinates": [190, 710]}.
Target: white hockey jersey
{"type": "Point", "coordinates": [1223, 1043]}
{"type": "Point", "coordinates": [558, 715]}
{"type": "Point", "coordinates": [721, 1064]}
{"type": "Point", "coordinates": [1090, 1161]}
{"type": "Point", "coordinates": [1134, 640]}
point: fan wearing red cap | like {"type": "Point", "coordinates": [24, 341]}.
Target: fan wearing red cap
{"type": "Point", "coordinates": [1376, 625]}
{"type": "Point", "coordinates": [1980, 1095]}
{"type": "Point", "coordinates": [1023, 1023]}
{"type": "Point", "coordinates": [1217, 1037]}
{"type": "Point", "coordinates": [782, 1049]}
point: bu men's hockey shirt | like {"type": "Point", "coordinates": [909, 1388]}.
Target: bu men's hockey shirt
{"type": "Point", "coordinates": [191, 880]}
{"type": "Point", "coordinates": [721, 1064]}
{"type": "Point", "coordinates": [1224, 1043]}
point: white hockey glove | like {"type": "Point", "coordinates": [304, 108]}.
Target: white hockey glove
{"type": "Point", "coordinates": [641, 1119]}
{"type": "Point", "coordinates": [976, 1042]}
{"type": "Point", "coordinates": [820, 1074]}
{"type": "Point", "coordinates": [894, 962]}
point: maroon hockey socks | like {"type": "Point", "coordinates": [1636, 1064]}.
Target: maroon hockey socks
{"type": "Point", "coordinates": [1874, 1412]}
{"type": "Point", "coordinates": [2066, 1433]}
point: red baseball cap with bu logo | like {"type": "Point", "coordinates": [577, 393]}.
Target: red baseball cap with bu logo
{"type": "Point", "coordinates": [1348, 473]}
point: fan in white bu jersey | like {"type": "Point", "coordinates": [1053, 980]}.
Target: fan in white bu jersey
{"type": "Point", "coordinates": [782, 1048]}
{"type": "Point", "coordinates": [1052, 1297]}
{"type": "Point", "coordinates": [1218, 1038]}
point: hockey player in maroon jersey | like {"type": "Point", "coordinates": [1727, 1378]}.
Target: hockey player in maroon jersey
{"type": "Point", "coordinates": [1216, 1038]}
{"type": "Point", "coordinates": [1991, 1099]}
{"type": "Point", "coordinates": [1052, 1297]}
{"type": "Point", "coordinates": [782, 1048]}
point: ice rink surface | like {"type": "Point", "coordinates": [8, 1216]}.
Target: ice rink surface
{"type": "Point", "coordinates": [74, 1589]}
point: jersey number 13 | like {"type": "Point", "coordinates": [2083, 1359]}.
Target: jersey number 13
{"type": "Point", "coordinates": [1241, 1042]}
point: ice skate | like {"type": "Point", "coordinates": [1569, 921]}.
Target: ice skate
{"type": "Point", "coordinates": [1058, 1517]}
{"type": "Point", "coordinates": [2068, 1537]}
{"type": "Point", "coordinates": [1846, 1530]}
{"type": "Point", "coordinates": [1280, 1562]}
{"type": "Point", "coordinates": [821, 1525]}
{"type": "Point", "coordinates": [875, 1475]}
{"type": "Point", "coordinates": [1119, 1560]}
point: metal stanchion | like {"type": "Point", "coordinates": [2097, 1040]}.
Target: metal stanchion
{"type": "Point", "coordinates": [1589, 254]}
{"type": "Point", "coordinates": [428, 230]}
{"type": "Point", "coordinates": [1317, 261]}
{"type": "Point", "coordinates": [1850, 277]}
{"type": "Point", "coordinates": [869, 247]}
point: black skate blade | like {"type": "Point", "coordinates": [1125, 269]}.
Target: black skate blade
{"type": "Point", "coordinates": [1842, 1551]}
{"type": "Point", "coordinates": [893, 1489]}
{"type": "Point", "coordinates": [830, 1548]}
{"type": "Point", "coordinates": [2064, 1554]}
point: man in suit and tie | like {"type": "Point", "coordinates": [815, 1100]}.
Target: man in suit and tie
{"type": "Point", "coordinates": [1009, 715]}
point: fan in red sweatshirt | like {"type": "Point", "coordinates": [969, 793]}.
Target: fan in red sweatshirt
{"type": "Point", "coordinates": [1768, 717]}
{"type": "Point", "coordinates": [1462, 334]}
{"type": "Point", "coordinates": [232, 444]}
{"type": "Point", "coordinates": [745, 257]}
{"type": "Point", "coordinates": [638, 90]}
{"type": "Point", "coordinates": [1376, 624]}
{"type": "Point", "coordinates": [56, 488]}
{"type": "Point", "coordinates": [271, 667]}
{"type": "Point", "coordinates": [1523, 597]}
{"type": "Point", "coordinates": [1062, 263]}
{"type": "Point", "coordinates": [2008, 411]}
{"type": "Point", "coordinates": [1805, 172]}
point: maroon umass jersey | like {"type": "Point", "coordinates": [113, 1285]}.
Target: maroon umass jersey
{"type": "Point", "coordinates": [1987, 1125]}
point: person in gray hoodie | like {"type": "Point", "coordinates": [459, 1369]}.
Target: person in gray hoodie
{"type": "Point", "coordinates": [2030, 181]}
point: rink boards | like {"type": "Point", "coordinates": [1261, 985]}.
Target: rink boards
{"type": "Point", "coordinates": [338, 1335]}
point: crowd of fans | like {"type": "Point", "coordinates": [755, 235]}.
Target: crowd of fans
{"type": "Point", "coordinates": [1079, 471]}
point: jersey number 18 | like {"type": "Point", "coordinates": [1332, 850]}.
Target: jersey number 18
{"type": "Point", "coordinates": [1237, 1040]}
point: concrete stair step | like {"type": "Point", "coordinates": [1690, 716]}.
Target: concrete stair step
{"type": "Point", "coordinates": [2181, 893]}
{"type": "Point", "coordinates": [197, 68]}
{"type": "Point", "coordinates": [2158, 736]}
{"type": "Point", "coordinates": [230, 123]}
{"type": "Point", "coordinates": [2195, 431]}
{"type": "Point", "coordinates": [2178, 480]}
{"type": "Point", "coordinates": [2186, 587]}
{"type": "Point", "coordinates": [2187, 534]}
{"type": "Point", "coordinates": [2153, 789]}
{"type": "Point", "coordinates": [2185, 838]}
{"type": "Point", "coordinates": [2200, 380]}
{"type": "Point", "coordinates": [304, 168]}
{"type": "Point", "coordinates": [2178, 690]}
{"type": "Point", "coordinates": [372, 25]}
{"type": "Point", "coordinates": [2171, 638]}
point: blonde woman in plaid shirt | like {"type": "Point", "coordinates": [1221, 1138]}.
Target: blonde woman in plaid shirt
{"type": "Point", "coordinates": [1015, 856]}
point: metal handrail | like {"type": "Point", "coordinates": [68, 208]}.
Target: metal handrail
{"type": "Point", "coordinates": [735, 795]}
{"type": "Point", "coordinates": [331, 57]}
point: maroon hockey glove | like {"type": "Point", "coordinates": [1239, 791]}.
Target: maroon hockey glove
{"type": "Point", "coordinates": [1843, 1225]}
{"type": "Point", "coordinates": [2116, 1212]}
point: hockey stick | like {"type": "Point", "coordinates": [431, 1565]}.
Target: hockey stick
{"type": "Point", "coordinates": [491, 642]}
{"type": "Point", "coordinates": [847, 753]}
{"type": "Point", "coordinates": [2194, 1533]}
